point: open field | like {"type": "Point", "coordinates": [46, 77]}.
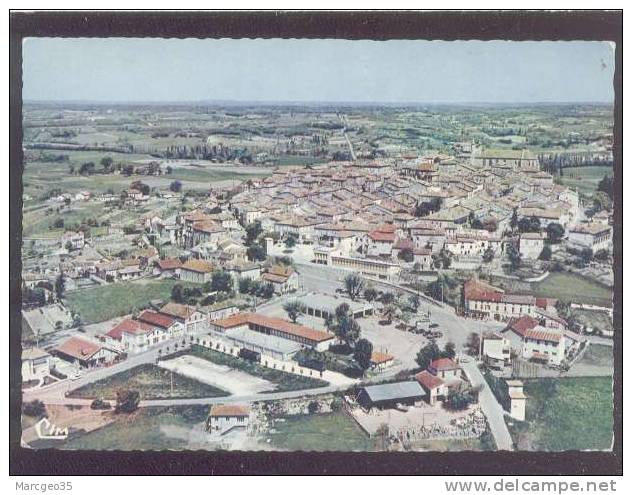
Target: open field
{"type": "Point", "coordinates": [572, 288]}
{"type": "Point", "coordinates": [320, 432]}
{"type": "Point", "coordinates": [154, 428]}
{"type": "Point", "coordinates": [566, 414]}
{"type": "Point", "coordinates": [283, 381]}
{"type": "Point", "coordinates": [109, 301]}
{"type": "Point", "coordinates": [584, 179]}
{"type": "Point", "coordinates": [454, 444]}
{"type": "Point", "coordinates": [152, 382]}
{"type": "Point", "coordinates": [235, 381]}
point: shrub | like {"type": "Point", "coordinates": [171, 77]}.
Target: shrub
{"type": "Point", "coordinates": [100, 404]}
{"type": "Point", "coordinates": [35, 409]}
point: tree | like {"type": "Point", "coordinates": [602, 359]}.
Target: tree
{"type": "Point", "coordinates": [427, 354]}
{"type": "Point", "coordinates": [555, 232]}
{"type": "Point", "coordinates": [221, 281]}
{"type": "Point", "coordinates": [606, 185]}
{"type": "Point", "coordinates": [58, 223]}
{"type": "Point", "coordinates": [267, 290]}
{"type": "Point", "coordinates": [68, 246]}
{"type": "Point", "coordinates": [175, 186]}
{"type": "Point", "coordinates": [127, 401]}
{"type": "Point", "coordinates": [586, 255]}
{"type": "Point", "coordinates": [362, 354]}
{"type": "Point", "coordinates": [36, 408]}
{"type": "Point", "coordinates": [545, 255]}
{"type": "Point", "coordinates": [294, 309]}
{"type": "Point", "coordinates": [342, 311]}
{"type": "Point", "coordinates": [313, 407]}
{"type": "Point", "coordinates": [515, 258]}
{"type": "Point", "coordinates": [513, 223]}
{"type": "Point", "coordinates": [601, 201]}
{"type": "Point", "coordinates": [353, 285]}
{"type": "Point", "coordinates": [370, 294]}
{"type": "Point", "coordinates": [414, 302]}
{"type": "Point", "coordinates": [256, 253]}
{"type": "Point", "coordinates": [459, 400]}
{"type": "Point", "coordinates": [106, 162]}
{"type": "Point", "coordinates": [244, 285]}
{"type": "Point", "coordinates": [87, 168]}
{"type": "Point", "coordinates": [388, 298]}
{"type": "Point", "coordinates": [348, 330]}
{"type": "Point", "coordinates": [488, 255]}
{"type": "Point", "coordinates": [253, 231]}
{"type": "Point", "coordinates": [406, 255]}
{"type": "Point", "coordinates": [290, 240]}
{"type": "Point", "coordinates": [472, 344]}
{"type": "Point", "coordinates": [60, 286]}
{"type": "Point", "coordinates": [449, 350]}
{"type": "Point", "coordinates": [388, 312]}
{"type": "Point", "coordinates": [176, 293]}
{"type": "Point", "coordinates": [529, 224]}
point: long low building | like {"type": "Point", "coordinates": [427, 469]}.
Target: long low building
{"type": "Point", "coordinates": [266, 345]}
{"type": "Point", "coordinates": [366, 266]}
{"type": "Point", "coordinates": [323, 305]}
{"type": "Point", "coordinates": [278, 327]}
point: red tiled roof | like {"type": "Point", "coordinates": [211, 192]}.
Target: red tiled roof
{"type": "Point", "coordinates": [128, 326]}
{"type": "Point", "coordinates": [169, 264]}
{"type": "Point", "coordinates": [156, 319]}
{"type": "Point", "coordinates": [377, 235]}
{"type": "Point", "coordinates": [79, 348]}
{"type": "Point", "coordinates": [522, 324]}
{"type": "Point", "coordinates": [229, 410]}
{"type": "Point", "coordinates": [444, 364]}
{"type": "Point", "coordinates": [428, 380]}
{"type": "Point", "coordinates": [199, 266]}
{"type": "Point", "coordinates": [537, 334]}
{"type": "Point", "coordinates": [278, 324]}
{"type": "Point", "coordinates": [380, 357]}
{"type": "Point", "coordinates": [180, 311]}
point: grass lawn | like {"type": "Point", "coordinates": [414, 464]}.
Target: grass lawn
{"type": "Point", "coordinates": [597, 320]}
{"type": "Point", "coordinates": [105, 302]}
{"type": "Point", "coordinates": [152, 382]}
{"type": "Point", "coordinates": [566, 414]}
{"type": "Point", "coordinates": [320, 432]}
{"type": "Point", "coordinates": [573, 288]}
{"type": "Point", "coordinates": [146, 429]}
{"type": "Point", "coordinates": [284, 381]}
{"type": "Point", "coordinates": [584, 179]}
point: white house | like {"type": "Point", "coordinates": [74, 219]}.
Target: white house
{"type": "Point", "coordinates": [225, 417]}
{"type": "Point", "coordinates": [595, 236]}
{"type": "Point", "coordinates": [35, 364]}
{"type": "Point", "coordinates": [531, 245]}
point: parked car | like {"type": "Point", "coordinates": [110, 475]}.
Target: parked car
{"type": "Point", "coordinates": [433, 325]}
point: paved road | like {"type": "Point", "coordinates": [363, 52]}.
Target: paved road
{"type": "Point", "coordinates": [493, 411]}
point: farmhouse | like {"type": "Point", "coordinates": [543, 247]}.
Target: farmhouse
{"type": "Point", "coordinates": [283, 278]}
{"type": "Point", "coordinates": [225, 417]}
{"type": "Point", "coordinates": [435, 387]}
{"type": "Point", "coordinates": [445, 368]}
{"type": "Point", "coordinates": [535, 342]}
{"type": "Point", "coordinates": [197, 271]}
{"type": "Point", "coordinates": [193, 319]}
{"type": "Point", "coordinates": [531, 245]}
{"type": "Point", "coordinates": [85, 353]}
{"type": "Point", "coordinates": [595, 236]}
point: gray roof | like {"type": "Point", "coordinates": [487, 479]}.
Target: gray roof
{"type": "Point", "coordinates": [394, 391]}
{"type": "Point", "coordinates": [267, 342]}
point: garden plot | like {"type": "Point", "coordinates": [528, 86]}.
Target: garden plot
{"type": "Point", "coordinates": [235, 381]}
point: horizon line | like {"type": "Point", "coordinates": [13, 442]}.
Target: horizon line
{"type": "Point", "coordinates": [312, 102]}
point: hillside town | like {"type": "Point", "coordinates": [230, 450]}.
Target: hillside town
{"type": "Point", "coordinates": [403, 292]}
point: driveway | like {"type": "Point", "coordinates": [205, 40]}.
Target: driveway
{"type": "Point", "coordinates": [493, 411]}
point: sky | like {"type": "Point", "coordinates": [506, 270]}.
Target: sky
{"type": "Point", "coordinates": [398, 71]}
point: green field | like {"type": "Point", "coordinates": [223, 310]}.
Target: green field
{"type": "Point", "coordinates": [320, 432]}
{"type": "Point", "coordinates": [109, 301]}
{"type": "Point", "coordinates": [584, 179]}
{"type": "Point", "coordinates": [572, 288]}
{"type": "Point", "coordinates": [152, 382]}
{"type": "Point", "coordinates": [154, 428]}
{"type": "Point", "coordinates": [566, 414]}
{"type": "Point", "coordinates": [284, 381]}
{"type": "Point", "coordinates": [456, 444]}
